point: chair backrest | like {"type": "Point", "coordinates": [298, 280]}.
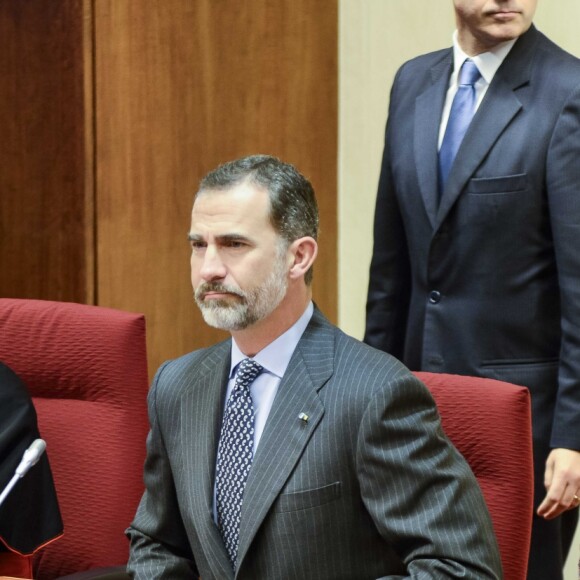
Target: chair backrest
{"type": "Point", "coordinates": [86, 369]}
{"type": "Point", "coordinates": [489, 422]}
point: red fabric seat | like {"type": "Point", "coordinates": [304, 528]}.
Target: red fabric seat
{"type": "Point", "coordinates": [86, 369]}
{"type": "Point", "coordinates": [489, 422]}
{"type": "Point", "coordinates": [15, 565]}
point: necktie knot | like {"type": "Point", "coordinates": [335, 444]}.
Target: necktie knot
{"type": "Point", "coordinates": [469, 73]}
{"type": "Point", "coordinates": [247, 371]}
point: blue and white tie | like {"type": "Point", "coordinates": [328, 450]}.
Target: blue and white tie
{"type": "Point", "coordinates": [462, 111]}
{"type": "Point", "coordinates": [235, 454]}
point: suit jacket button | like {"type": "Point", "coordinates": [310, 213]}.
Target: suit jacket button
{"type": "Point", "coordinates": [434, 296]}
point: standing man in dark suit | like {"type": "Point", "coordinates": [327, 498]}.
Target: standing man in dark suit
{"type": "Point", "coordinates": [334, 447]}
{"type": "Point", "coordinates": [476, 262]}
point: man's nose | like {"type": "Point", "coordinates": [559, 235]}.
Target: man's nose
{"type": "Point", "coordinates": [212, 267]}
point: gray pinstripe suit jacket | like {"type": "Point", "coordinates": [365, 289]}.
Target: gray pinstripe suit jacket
{"type": "Point", "coordinates": [368, 487]}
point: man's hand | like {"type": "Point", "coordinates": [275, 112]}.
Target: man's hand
{"type": "Point", "coordinates": [562, 481]}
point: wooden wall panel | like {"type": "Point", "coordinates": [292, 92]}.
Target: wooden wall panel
{"type": "Point", "coordinates": [182, 85]}
{"type": "Point", "coordinates": [46, 242]}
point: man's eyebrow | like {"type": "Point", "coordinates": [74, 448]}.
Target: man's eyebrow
{"type": "Point", "coordinates": [232, 238]}
{"type": "Point", "coordinates": [225, 238]}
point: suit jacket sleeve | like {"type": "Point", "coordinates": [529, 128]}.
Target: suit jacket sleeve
{"type": "Point", "coordinates": [563, 194]}
{"type": "Point", "coordinates": [389, 280]}
{"type": "Point", "coordinates": [159, 544]}
{"type": "Point", "coordinates": [421, 494]}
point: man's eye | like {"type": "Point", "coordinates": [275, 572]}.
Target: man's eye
{"type": "Point", "coordinates": [235, 244]}
{"type": "Point", "coordinates": [197, 245]}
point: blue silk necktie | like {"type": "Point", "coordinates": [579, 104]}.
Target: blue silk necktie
{"type": "Point", "coordinates": [235, 455]}
{"type": "Point", "coordinates": [462, 111]}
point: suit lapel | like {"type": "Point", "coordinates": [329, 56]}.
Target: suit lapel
{"type": "Point", "coordinates": [428, 108]}
{"type": "Point", "coordinates": [286, 435]}
{"type": "Point", "coordinates": [499, 106]}
{"type": "Point", "coordinates": [201, 414]}
{"type": "Point", "coordinates": [489, 122]}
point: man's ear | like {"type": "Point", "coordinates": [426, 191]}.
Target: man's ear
{"type": "Point", "coordinates": [304, 251]}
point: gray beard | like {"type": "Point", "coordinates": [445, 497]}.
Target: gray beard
{"type": "Point", "coordinates": [250, 307]}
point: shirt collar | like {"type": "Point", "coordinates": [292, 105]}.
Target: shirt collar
{"type": "Point", "coordinates": [486, 62]}
{"type": "Point", "coordinates": [276, 356]}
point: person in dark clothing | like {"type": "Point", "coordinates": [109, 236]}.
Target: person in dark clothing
{"type": "Point", "coordinates": [29, 516]}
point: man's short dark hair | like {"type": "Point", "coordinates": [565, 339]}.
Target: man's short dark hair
{"type": "Point", "coordinates": [293, 207]}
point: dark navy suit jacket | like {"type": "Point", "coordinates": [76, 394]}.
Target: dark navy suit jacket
{"type": "Point", "coordinates": [486, 282]}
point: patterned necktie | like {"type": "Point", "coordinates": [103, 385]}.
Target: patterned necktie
{"type": "Point", "coordinates": [462, 111]}
{"type": "Point", "coordinates": [235, 454]}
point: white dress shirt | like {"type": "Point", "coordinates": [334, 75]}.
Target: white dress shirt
{"type": "Point", "coordinates": [487, 63]}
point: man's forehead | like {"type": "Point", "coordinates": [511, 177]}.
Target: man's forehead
{"type": "Point", "coordinates": [241, 209]}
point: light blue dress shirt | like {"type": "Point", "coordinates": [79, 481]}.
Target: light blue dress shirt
{"type": "Point", "coordinates": [487, 63]}
{"type": "Point", "coordinates": [274, 358]}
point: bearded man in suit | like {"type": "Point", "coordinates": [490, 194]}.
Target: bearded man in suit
{"type": "Point", "coordinates": [335, 448]}
{"type": "Point", "coordinates": [475, 267]}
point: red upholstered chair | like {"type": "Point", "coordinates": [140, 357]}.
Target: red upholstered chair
{"type": "Point", "coordinates": [489, 422]}
{"type": "Point", "coordinates": [14, 565]}
{"type": "Point", "coordinates": [85, 367]}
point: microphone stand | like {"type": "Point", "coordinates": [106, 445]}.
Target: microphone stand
{"type": "Point", "coordinates": [30, 458]}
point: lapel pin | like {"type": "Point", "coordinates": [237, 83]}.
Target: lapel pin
{"type": "Point", "coordinates": [303, 417]}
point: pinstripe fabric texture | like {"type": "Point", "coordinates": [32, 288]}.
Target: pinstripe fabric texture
{"type": "Point", "coordinates": [367, 487]}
